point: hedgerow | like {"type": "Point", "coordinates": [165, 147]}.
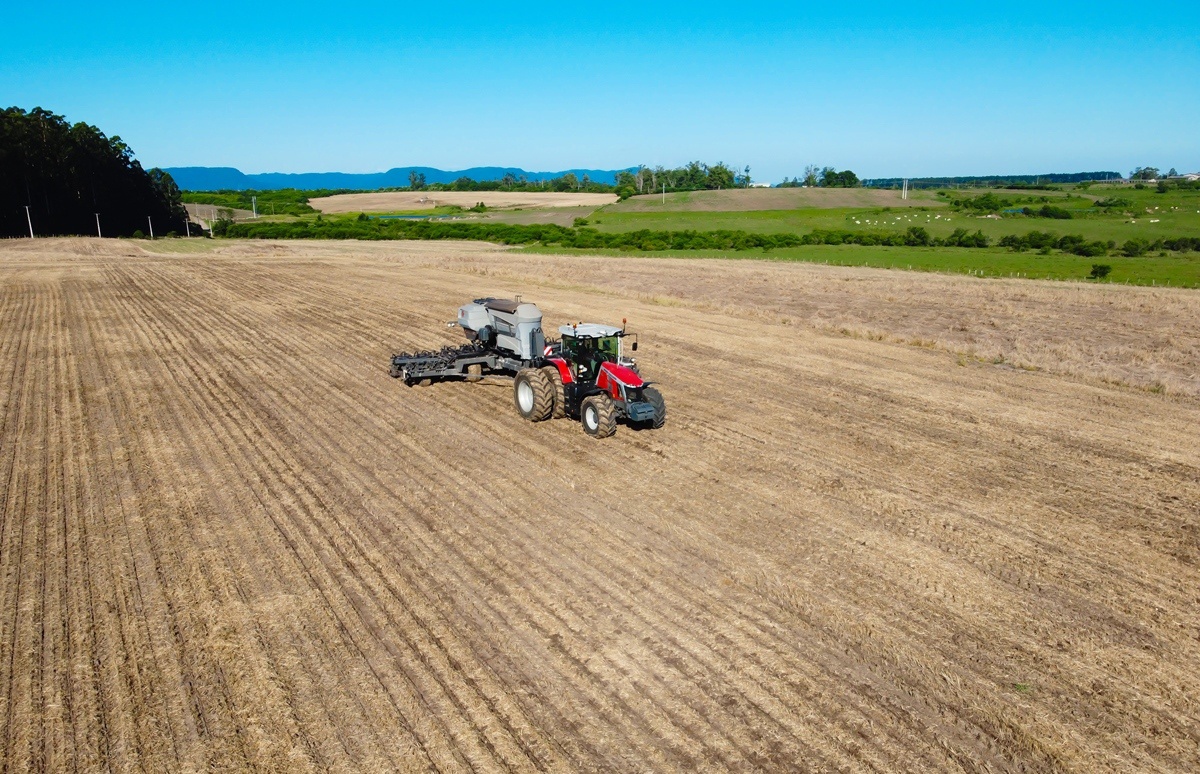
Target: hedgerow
{"type": "Point", "coordinates": [649, 240]}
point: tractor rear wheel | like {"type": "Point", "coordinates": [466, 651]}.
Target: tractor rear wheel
{"type": "Point", "coordinates": [655, 399]}
{"type": "Point", "coordinates": [532, 395]}
{"type": "Point", "coordinates": [598, 416]}
{"type": "Point", "coordinates": [475, 372]}
{"type": "Point", "coordinates": [556, 389]}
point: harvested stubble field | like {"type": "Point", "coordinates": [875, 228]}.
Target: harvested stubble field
{"type": "Point", "coordinates": [395, 201]}
{"type": "Point", "coordinates": [228, 540]}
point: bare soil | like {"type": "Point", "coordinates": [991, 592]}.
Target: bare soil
{"type": "Point", "coordinates": [229, 541]}
{"type": "Point", "coordinates": [561, 216]}
{"type": "Point", "coordinates": [750, 199]}
{"type": "Point", "coordinates": [395, 201]}
{"type": "Point", "coordinates": [206, 213]}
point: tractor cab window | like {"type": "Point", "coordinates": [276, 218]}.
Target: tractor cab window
{"type": "Point", "coordinates": [572, 348]}
{"type": "Point", "coordinates": [609, 348]}
{"type": "Point", "coordinates": [586, 355]}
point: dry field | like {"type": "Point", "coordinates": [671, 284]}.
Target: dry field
{"type": "Point", "coordinates": [208, 212]}
{"type": "Point", "coordinates": [395, 201]}
{"type": "Point", "coordinates": [748, 199]}
{"type": "Point", "coordinates": [229, 541]}
{"type": "Point", "coordinates": [561, 216]}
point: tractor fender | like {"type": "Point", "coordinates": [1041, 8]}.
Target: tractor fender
{"type": "Point", "coordinates": [563, 369]}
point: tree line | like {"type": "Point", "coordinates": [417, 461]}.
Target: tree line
{"type": "Point", "coordinates": [693, 176]}
{"type": "Point", "coordinates": [991, 203]}
{"type": "Point", "coordinates": [70, 175]}
{"type": "Point", "coordinates": [1151, 173]}
{"type": "Point", "coordinates": [277, 201]}
{"type": "Point", "coordinates": [993, 181]}
{"type": "Point", "coordinates": [826, 177]}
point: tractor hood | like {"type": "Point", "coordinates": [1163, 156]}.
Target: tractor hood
{"type": "Point", "coordinates": [622, 374]}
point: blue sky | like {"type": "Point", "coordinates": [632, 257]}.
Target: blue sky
{"type": "Point", "coordinates": [884, 89]}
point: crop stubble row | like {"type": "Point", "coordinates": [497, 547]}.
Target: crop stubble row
{"type": "Point", "coordinates": [229, 539]}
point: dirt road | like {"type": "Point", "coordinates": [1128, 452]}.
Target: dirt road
{"type": "Point", "coordinates": [229, 540]}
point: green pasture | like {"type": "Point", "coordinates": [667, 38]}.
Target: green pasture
{"type": "Point", "coordinates": [1149, 215]}
{"type": "Point", "coordinates": [1173, 269]}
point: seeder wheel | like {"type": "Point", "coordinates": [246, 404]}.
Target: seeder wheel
{"type": "Point", "coordinates": [532, 396]}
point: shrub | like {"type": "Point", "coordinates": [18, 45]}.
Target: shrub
{"type": "Point", "coordinates": [917, 237]}
{"type": "Point", "coordinates": [1011, 241]}
{"type": "Point", "coordinates": [138, 234]}
{"type": "Point", "coordinates": [989, 202]}
{"type": "Point", "coordinates": [1047, 211]}
{"type": "Point", "coordinates": [1134, 247]}
{"type": "Point", "coordinates": [960, 238]}
{"type": "Point", "coordinates": [1091, 249]}
{"type": "Point", "coordinates": [1100, 271]}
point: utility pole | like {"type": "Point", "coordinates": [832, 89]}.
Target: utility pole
{"type": "Point", "coordinates": [98, 226]}
{"type": "Point", "coordinates": [29, 221]}
{"type": "Point", "coordinates": [254, 205]}
{"type": "Point", "coordinates": [187, 225]}
{"type": "Point", "coordinates": [664, 193]}
{"type": "Point", "coordinates": [151, 226]}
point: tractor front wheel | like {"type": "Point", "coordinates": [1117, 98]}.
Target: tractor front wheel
{"type": "Point", "coordinates": [532, 395]}
{"type": "Point", "coordinates": [598, 416]}
{"type": "Point", "coordinates": [655, 399]}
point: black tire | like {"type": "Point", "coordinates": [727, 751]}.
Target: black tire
{"type": "Point", "coordinates": [598, 416]}
{"type": "Point", "coordinates": [475, 372]}
{"type": "Point", "coordinates": [556, 390]}
{"type": "Point", "coordinates": [532, 395]}
{"type": "Point", "coordinates": [655, 399]}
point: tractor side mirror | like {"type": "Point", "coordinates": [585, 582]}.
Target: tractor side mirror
{"type": "Point", "coordinates": [634, 346]}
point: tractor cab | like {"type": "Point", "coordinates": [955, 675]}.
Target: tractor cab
{"type": "Point", "coordinates": [587, 346]}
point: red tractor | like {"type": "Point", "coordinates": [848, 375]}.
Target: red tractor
{"type": "Point", "coordinates": [586, 375]}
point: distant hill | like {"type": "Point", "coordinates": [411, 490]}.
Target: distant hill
{"type": "Point", "coordinates": [228, 178]}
